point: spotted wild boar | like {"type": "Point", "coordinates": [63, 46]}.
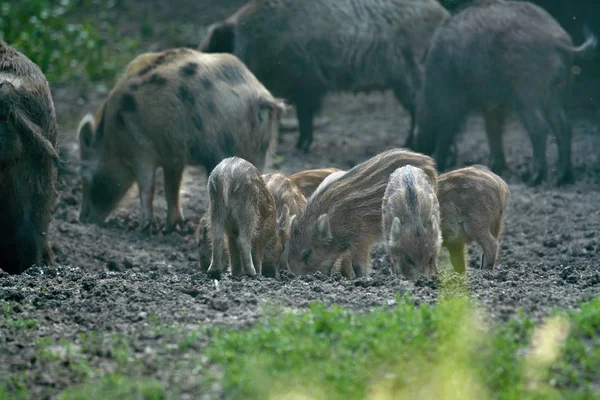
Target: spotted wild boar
{"type": "Point", "coordinates": [472, 205]}
{"type": "Point", "coordinates": [28, 162]}
{"type": "Point", "coordinates": [345, 216]}
{"type": "Point", "coordinates": [411, 223]}
{"type": "Point", "coordinates": [172, 109]}
{"type": "Point", "coordinates": [242, 210]}
{"type": "Point", "coordinates": [302, 50]}
{"type": "Point", "coordinates": [500, 57]}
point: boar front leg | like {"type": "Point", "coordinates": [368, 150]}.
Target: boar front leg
{"type": "Point", "coordinates": [489, 246]}
{"type": "Point", "coordinates": [145, 176]}
{"type": "Point", "coordinates": [173, 178]}
{"type": "Point", "coordinates": [458, 256]}
{"type": "Point", "coordinates": [361, 262]}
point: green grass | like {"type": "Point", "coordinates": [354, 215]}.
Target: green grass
{"type": "Point", "coordinates": [442, 352]}
{"type": "Point", "coordinates": [20, 323]}
{"type": "Point", "coordinates": [115, 386]}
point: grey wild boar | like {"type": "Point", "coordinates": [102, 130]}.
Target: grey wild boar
{"type": "Point", "coordinates": [289, 201]}
{"type": "Point", "coordinates": [310, 179]}
{"type": "Point", "coordinates": [28, 162]}
{"type": "Point", "coordinates": [411, 223]}
{"type": "Point", "coordinates": [301, 50]}
{"type": "Point", "coordinates": [345, 216]}
{"type": "Point", "coordinates": [472, 204]}
{"type": "Point", "coordinates": [241, 209]}
{"type": "Point", "coordinates": [172, 109]}
{"type": "Point", "coordinates": [497, 57]}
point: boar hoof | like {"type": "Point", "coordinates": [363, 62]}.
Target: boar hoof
{"type": "Point", "coordinates": [174, 227]}
{"type": "Point", "coordinates": [214, 273]}
{"type": "Point", "coordinates": [303, 145]}
{"type": "Point", "coordinates": [148, 228]}
{"type": "Point", "coordinates": [537, 179]}
{"type": "Point", "coordinates": [567, 178]}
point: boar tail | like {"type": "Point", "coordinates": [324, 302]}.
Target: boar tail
{"type": "Point", "coordinates": [587, 49]}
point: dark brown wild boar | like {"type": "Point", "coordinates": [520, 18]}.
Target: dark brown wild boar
{"type": "Point", "coordinates": [310, 179]}
{"type": "Point", "coordinates": [345, 216]}
{"type": "Point", "coordinates": [241, 209]}
{"type": "Point", "coordinates": [301, 50]}
{"type": "Point", "coordinates": [500, 56]}
{"type": "Point", "coordinates": [289, 201]}
{"type": "Point", "coordinates": [172, 109]}
{"type": "Point", "coordinates": [411, 223]}
{"type": "Point", "coordinates": [472, 204]}
{"type": "Point", "coordinates": [28, 161]}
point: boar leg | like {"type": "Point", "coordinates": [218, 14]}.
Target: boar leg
{"type": "Point", "coordinates": [244, 246]}
{"type": "Point", "coordinates": [305, 111]}
{"type": "Point", "coordinates": [234, 257]}
{"type": "Point", "coordinates": [494, 127]}
{"type": "Point", "coordinates": [458, 256]}
{"type": "Point", "coordinates": [145, 179]}
{"type": "Point", "coordinates": [537, 127]}
{"type": "Point", "coordinates": [361, 263]}
{"type": "Point", "coordinates": [564, 133]}
{"type": "Point", "coordinates": [490, 250]}
{"type": "Point", "coordinates": [173, 178]}
{"type": "Point", "coordinates": [216, 263]}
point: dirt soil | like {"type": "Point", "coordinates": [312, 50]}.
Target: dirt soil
{"type": "Point", "coordinates": [111, 278]}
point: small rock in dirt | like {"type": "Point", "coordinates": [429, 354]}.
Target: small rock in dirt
{"type": "Point", "coordinates": [219, 305]}
{"type": "Point", "coordinates": [34, 271]}
{"type": "Point", "coordinates": [191, 291]}
{"type": "Point", "coordinates": [127, 263]}
{"type": "Point", "coordinates": [550, 243]}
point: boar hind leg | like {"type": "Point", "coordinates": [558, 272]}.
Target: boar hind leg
{"type": "Point", "coordinates": [306, 109]}
{"type": "Point", "coordinates": [218, 237]}
{"type": "Point", "coordinates": [173, 178]}
{"type": "Point", "coordinates": [537, 127]}
{"type": "Point", "coordinates": [458, 256]}
{"type": "Point", "coordinates": [564, 133]}
{"type": "Point", "coordinates": [489, 245]}
{"type": "Point", "coordinates": [244, 246]}
{"type": "Point", "coordinates": [146, 182]}
{"type": "Point", "coordinates": [494, 128]}
{"type": "Point", "coordinates": [237, 267]}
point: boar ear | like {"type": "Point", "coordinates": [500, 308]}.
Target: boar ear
{"type": "Point", "coordinates": [219, 39]}
{"type": "Point", "coordinates": [85, 132]}
{"type": "Point", "coordinates": [324, 228]}
{"type": "Point", "coordinates": [395, 231]}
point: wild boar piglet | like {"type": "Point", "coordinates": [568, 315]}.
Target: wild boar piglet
{"type": "Point", "coordinates": [472, 205]}
{"type": "Point", "coordinates": [310, 179]}
{"type": "Point", "coordinates": [242, 210]}
{"type": "Point", "coordinates": [411, 223]}
{"type": "Point", "coordinates": [343, 218]}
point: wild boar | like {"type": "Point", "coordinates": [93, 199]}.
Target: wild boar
{"type": "Point", "coordinates": [310, 179]}
{"type": "Point", "coordinates": [241, 208]}
{"type": "Point", "coordinates": [500, 56]}
{"type": "Point", "coordinates": [345, 216]}
{"type": "Point", "coordinates": [172, 109]}
{"type": "Point", "coordinates": [472, 204]}
{"type": "Point", "coordinates": [289, 201]}
{"type": "Point", "coordinates": [302, 50]}
{"type": "Point", "coordinates": [411, 223]}
{"type": "Point", "coordinates": [28, 162]}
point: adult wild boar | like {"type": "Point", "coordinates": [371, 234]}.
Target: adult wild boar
{"type": "Point", "coordinates": [344, 218]}
{"type": "Point", "coordinates": [472, 205]}
{"type": "Point", "coordinates": [301, 50]}
{"type": "Point", "coordinates": [171, 109]}
{"type": "Point", "coordinates": [497, 56]}
{"type": "Point", "coordinates": [28, 161]}
{"type": "Point", "coordinates": [241, 209]}
{"type": "Point", "coordinates": [411, 223]}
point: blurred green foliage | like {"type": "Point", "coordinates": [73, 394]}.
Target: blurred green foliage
{"type": "Point", "coordinates": [63, 45]}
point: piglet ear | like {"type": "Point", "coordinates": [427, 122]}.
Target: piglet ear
{"type": "Point", "coordinates": [395, 231]}
{"type": "Point", "coordinates": [324, 228]}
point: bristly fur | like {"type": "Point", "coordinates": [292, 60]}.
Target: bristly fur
{"type": "Point", "coordinates": [172, 109]}
{"type": "Point", "coordinates": [352, 206]}
{"type": "Point", "coordinates": [310, 179]}
{"type": "Point", "coordinates": [28, 174]}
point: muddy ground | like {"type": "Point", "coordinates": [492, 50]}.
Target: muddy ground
{"type": "Point", "coordinates": [112, 279]}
